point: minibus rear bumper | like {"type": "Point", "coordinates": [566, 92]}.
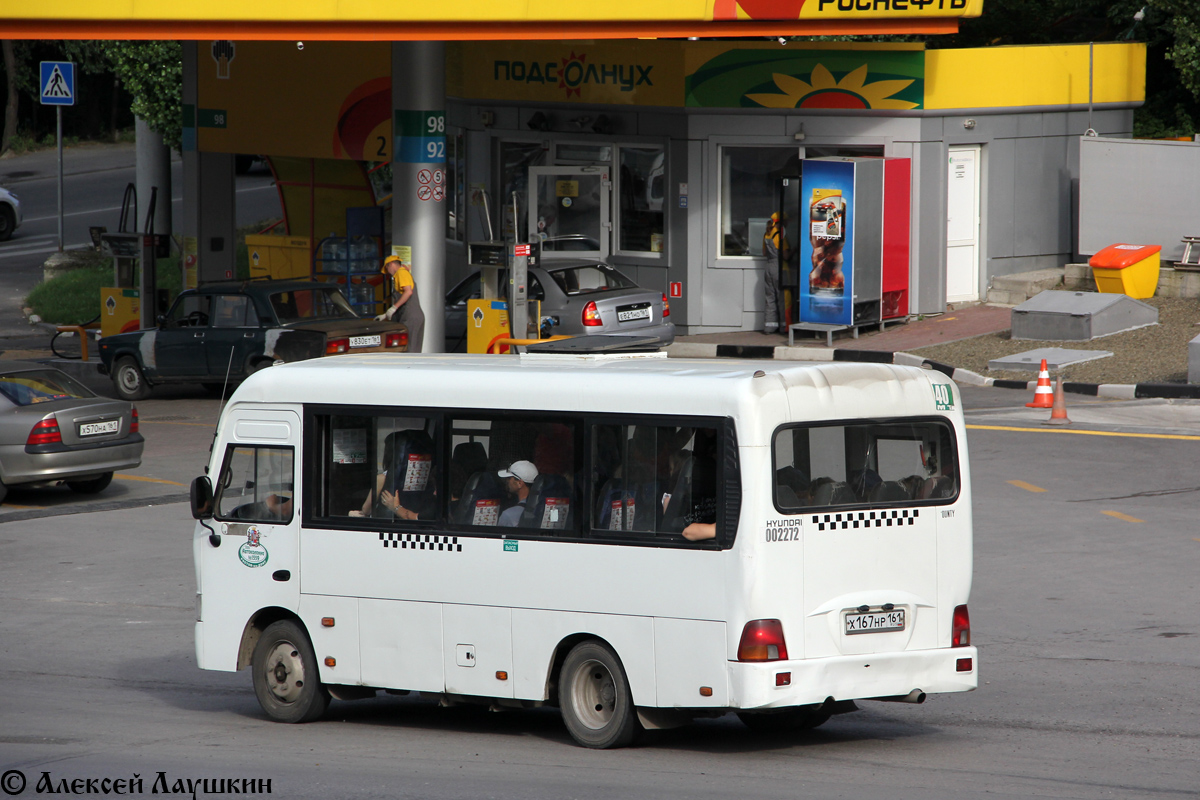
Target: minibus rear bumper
{"type": "Point", "coordinates": [778, 684]}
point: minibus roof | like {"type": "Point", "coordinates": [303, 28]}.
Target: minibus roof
{"type": "Point", "coordinates": [776, 391]}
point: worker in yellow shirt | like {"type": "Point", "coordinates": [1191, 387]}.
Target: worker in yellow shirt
{"type": "Point", "coordinates": [403, 301]}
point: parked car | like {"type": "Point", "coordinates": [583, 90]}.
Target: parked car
{"type": "Point", "coordinates": [53, 428]}
{"type": "Point", "coordinates": [10, 214]}
{"type": "Point", "coordinates": [581, 297]}
{"type": "Point", "coordinates": [222, 332]}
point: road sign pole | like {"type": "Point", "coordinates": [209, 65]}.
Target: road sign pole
{"type": "Point", "coordinates": [60, 180]}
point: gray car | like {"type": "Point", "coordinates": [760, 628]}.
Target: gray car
{"type": "Point", "coordinates": [581, 298]}
{"type": "Point", "coordinates": [10, 214]}
{"type": "Point", "coordinates": [53, 428]}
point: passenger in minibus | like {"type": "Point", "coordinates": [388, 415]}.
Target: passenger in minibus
{"type": "Point", "coordinates": [403, 488]}
{"type": "Point", "coordinates": [519, 476]}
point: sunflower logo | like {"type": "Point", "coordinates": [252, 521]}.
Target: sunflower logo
{"type": "Point", "coordinates": [822, 91]}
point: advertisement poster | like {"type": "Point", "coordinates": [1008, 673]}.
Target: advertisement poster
{"type": "Point", "coordinates": [827, 246]}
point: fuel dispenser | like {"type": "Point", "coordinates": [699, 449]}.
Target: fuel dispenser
{"type": "Point", "coordinates": [503, 308]}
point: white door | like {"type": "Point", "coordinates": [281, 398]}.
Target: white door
{"type": "Point", "coordinates": [962, 225]}
{"type": "Point", "coordinates": [569, 211]}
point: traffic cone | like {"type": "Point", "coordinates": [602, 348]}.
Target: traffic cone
{"type": "Point", "coordinates": [1058, 414]}
{"type": "Point", "coordinates": [1043, 395]}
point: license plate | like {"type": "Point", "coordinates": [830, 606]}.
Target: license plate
{"type": "Point", "coordinates": [875, 622]}
{"type": "Point", "coordinates": [365, 341]}
{"type": "Point", "coordinates": [97, 428]}
{"type": "Point", "coordinates": [629, 316]}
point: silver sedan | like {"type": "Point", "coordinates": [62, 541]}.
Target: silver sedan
{"type": "Point", "coordinates": [54, 429]}
{"type": "Point", "coordinates": [579, 298]}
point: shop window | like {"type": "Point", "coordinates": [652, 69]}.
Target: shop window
{"type": "Point", "coordinates": [377, 466]}
{"type": "Point", "coordinates": [577, 153]}
{"type": "Point", "coordinates": [515, 159]}
{"type": "Point", "coordinates": [456, 177]}
{"type": "Point", "coordinates": [871, 464]}
{"type": "Point", "coordinates": [749, 194]}
{"type": "Point", "coordinates": [653, 479]}
{"type": "Point", "coordinates": [641, 182]}
{"type": "Point", "coordinates": [255, 485]}
{"type": "Point", "coordinates": [507, 473]}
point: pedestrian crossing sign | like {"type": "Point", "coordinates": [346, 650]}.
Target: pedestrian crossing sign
{"type": "Point", "coordinates": [58, 83]}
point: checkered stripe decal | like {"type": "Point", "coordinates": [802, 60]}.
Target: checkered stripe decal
{"type": "Point", "coordinates": [420, 541]}
{"type": "Point", "coordinates": [865, 519]}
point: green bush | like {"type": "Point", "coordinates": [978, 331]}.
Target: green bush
{"type": "Point", "coordinates": [74, 298]}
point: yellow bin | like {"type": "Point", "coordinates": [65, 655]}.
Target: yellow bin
{"type": "Point", "coordinates": [1130, 269]}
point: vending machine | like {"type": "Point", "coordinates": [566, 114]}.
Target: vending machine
{"type": "Point", "coordinates": [854, 251]}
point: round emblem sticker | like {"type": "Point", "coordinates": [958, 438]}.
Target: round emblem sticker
{"type": "Point", "coordinates": [566, 201]}
{"type": "Point", "coordinates": [252, 553]}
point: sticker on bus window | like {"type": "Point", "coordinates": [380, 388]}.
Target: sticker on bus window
{"type": "Point", "coordinates": [487, 512]}
{"type": "Point", "coordinates": [555, 515]}
{"type": "Point", "coordinates": [510, 545]}
{"type": "Point", "coordinates": [417, 474]}
{"type": "Point", "coordinates": [943, 397]}
{"type": "Point", "coordinates": [350, 446]}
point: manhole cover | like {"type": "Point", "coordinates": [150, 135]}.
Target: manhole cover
{"type": "Point", "coordinates": [1056, 358]}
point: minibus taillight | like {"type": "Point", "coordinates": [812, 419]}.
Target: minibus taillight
{"type": "Point", "coordinates": [762, 640]}
{"type": "Point", "coordinates": [133, 426]}
{"type": "Point", "coordinates": [45, 432]}
{"type": "Point", "coordinates": [960, 632]}
{"type": "Point", "coordinates": [398, 339]}
{"type": "Point", "coordinates": [335, 346]}
{"type": "Point", "coordinates": [591, 315]}
{"type": "Point", "coordinates": [666, 307]}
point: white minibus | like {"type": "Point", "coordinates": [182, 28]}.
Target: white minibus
{"type": "Point", "coordinates": [637, 540]}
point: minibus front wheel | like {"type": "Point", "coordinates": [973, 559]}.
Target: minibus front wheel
{"type": "Point", "coordinates": [286, 679]}
{"type": "Point", "coordinates": [597, 706]}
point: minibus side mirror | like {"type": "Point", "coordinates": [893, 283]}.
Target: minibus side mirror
{"type": "Point", "coordinates": [202, 498]}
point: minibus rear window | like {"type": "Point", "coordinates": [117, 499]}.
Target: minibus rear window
{"type": "Point", "coordinates": [878, 463]}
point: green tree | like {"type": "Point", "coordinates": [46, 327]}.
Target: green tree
{"type": "Point", "coordinates": [152, 72]}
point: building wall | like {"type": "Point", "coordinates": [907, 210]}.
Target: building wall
{"type": "Point", "coordinates": [1029, 180]}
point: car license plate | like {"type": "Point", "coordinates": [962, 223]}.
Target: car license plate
{"type": "Point", "coordinates": [875, 622]}
{"type": "Point", "coordinates": [365, 341]}
{"type": "Point", "coordinates": [97, 428]}
{"type": "Point", "coordinates": [637, 313]}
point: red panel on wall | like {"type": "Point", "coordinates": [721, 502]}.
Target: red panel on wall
{"type": "Point", "coordinates": [897, 221]}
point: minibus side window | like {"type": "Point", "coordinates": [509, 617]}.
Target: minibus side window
{"type": "Point", "coordinates": [652, 480]}
{"type": "Point", "coordinates": [865, 464]}
{"type": "Point", "coordinates": [513, 473]}
{"type": "Point", "coordinates": [378, 467]}
{"type": "Point", "coordinates": [255, 485]}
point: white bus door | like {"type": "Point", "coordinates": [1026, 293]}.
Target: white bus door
{"type": "Point", "coordinates": [569, 211]}
{"type": "Point", "coordinates": [254, 563]}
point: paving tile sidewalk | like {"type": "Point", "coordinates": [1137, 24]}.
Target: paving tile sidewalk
{"type": "Point", "coordinates": [963, 323]}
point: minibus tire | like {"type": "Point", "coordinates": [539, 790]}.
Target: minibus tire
{"type": "Point", "coordinates": [803, 718]}
{"type": "Point", "coordinates": [597, 706]}
{"type": "Point", "coordinates": [286, 679]}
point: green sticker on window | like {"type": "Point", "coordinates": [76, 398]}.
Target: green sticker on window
{"type": "Point", "coordinates": [510, 545]}
{"type": "Point", "coordinates": [943, 396]}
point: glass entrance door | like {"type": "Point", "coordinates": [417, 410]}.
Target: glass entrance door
{"type": "Point", "coordinates": [569, 211]}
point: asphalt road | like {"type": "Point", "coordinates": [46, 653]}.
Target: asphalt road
{"type": "Point", "coordinates": [1086, 575]}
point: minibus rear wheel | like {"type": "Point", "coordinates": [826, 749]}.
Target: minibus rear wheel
{"type": "Point", "coordinates": [286, 679]}
{"type": "Point", "coordinates": [597, 705]}
{"type": "Point", "coordinates": [802, 718]}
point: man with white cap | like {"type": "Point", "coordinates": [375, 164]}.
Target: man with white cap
{"type": "Point", "coordinates": [519, 476]}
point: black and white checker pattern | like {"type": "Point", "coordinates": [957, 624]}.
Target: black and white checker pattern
{"type": "Point", "coordinates": [866, 519]}
{"type": "Point", "coordinates": [421, 541]}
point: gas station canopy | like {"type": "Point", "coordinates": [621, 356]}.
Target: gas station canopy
{"type": "Point", "coordinates": [349, 20]}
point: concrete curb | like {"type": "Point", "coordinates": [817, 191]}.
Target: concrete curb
{"type": "Point", "coordinates": [1118, 391]}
